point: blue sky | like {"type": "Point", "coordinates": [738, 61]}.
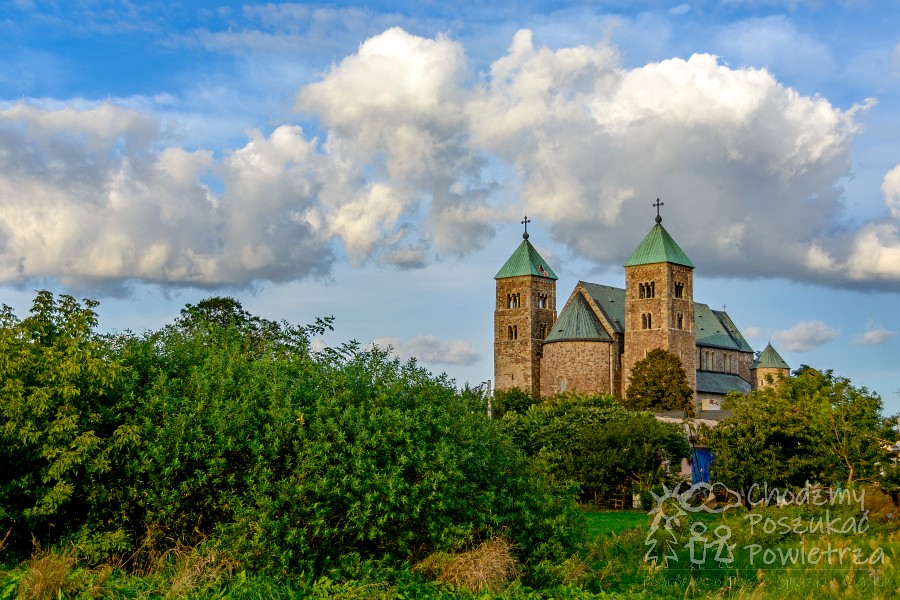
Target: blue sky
{"type": "Point", "coordinates": [373, 161]}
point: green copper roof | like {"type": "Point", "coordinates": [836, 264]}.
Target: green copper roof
{"type": "Point", "coordinates": [714, 328]}
{"type": "Point", "coordinates": [525, 261]}
{"type": "Point", "coordinates": [578, 322]}
{"type": "Point", "coordinates": [720, 383]}
{"type": "Point", "coordinates": [770, 359]}
{"type": "Point", "coordinates": [658, 247]}
{"type": "Point", "coordinates": [610, 301]}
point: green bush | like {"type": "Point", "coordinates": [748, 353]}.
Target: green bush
{"type": "Point", "coordinates": [60, 425]}
{"type": "Point", "coordinates": [595, 443]}
{"type": "Point", "coordinates": [814, 427]}
{"type": "Point", "coordinates": [226, 431]}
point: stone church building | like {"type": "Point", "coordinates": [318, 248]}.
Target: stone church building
{"type": "Point", "coordinates": [593, 343]}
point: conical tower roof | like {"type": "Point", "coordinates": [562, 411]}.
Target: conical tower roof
{"type": "Point", "coordinates": [770, 359]}
{"type": "Point", "coordinates": [658, 247]}
{"type": "Point", "coordinates": [526, 260]}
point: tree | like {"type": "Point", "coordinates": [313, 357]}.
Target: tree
{"type": "Point", "coordinates": [512, 400]}
{"type": "Point", "coordinates": [594, 442]}
{"type": "Point", "coordinates": [812, 427]}
{"type": "Point", "coordinates": [658, 382]}
{"type": "Point", "coordinates": [59, 428]}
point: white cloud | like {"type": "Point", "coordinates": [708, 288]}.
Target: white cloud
{"type": "Point", "coordinates": [317, 344]}
{"type": "Point", "coordinates": [805, 336]}
{"type": "Point", "coordinates": [90, 199]}
{"type": "Point", "coordinates": [875, 335]}
{"type": "Point", "coordinates": [890, 187]}
{"type": "Point", "coordinates": [752, 332]}
{"type": "Point", "coordinates": [432, 350]}
{"type": "Point", "coordinates": [875, 253]}
{"type": "Point", "coordinates": [421, 157]}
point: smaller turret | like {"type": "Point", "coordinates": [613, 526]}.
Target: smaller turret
{"type": "Point", "coordinates": [767, 368]}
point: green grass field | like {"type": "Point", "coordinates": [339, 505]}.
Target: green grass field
{"type": "Point", "coordinates": [612, 565]}
{"type": "Point", "coordinates": [605, 522]}
{"type": "Point", "coordinates": [759, 557]}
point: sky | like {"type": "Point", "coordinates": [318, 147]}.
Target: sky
{"type": "Point", "coordinates": [374, 161]}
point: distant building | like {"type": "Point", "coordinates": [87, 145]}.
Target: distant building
{"type": "Point", "coordinates": [602, 331]}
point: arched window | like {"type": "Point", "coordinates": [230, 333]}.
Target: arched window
{"type": "Point", "coordinates": [679, 321]}
{"type": "Point", "coordinates": [509, 333]}
{"type": "Point", "coordinates": [652, 293]}
{"type": "Point", "coordinates": [641, 292]}
{"type": "Point", "coordinates": [560, 384]}
{"type": "Point", "coordinates": [543, 332]}
{"type": "Point", "coordinates": [515, 332]}
{"type": "Point", "coordinates": [679, 290]}
{"type": "Point", "coordinates": [643, 320]}
{"type": "Point", "coordinates": [649, 321]}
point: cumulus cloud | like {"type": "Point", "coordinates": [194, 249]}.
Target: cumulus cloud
{"type": "Point", "coordinates": [890, 187]}
{"type": "Point", "coordinates": [94, 196]}
{"type": "Point", "coordinates": [752, 332]}
{"type": "Point", "coordinates": [420, 156]}
{"type": "Point", "coordinates": [432, 350]}
{"type": "Point", "coordinates": [805, 336]}
{"type": "Point", "coordinates": [399, 106]}
{"type": "Point", "coordinates": [875, 335]}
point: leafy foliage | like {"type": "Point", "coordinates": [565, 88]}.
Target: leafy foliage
{"type": "Point", "coordinates": [658, 382]}
{"type": "Point", "coordinates": [59, 432]}
{"type": "Point", "coordinates": [512, 400]}
{"type": "Point", "coordinates": [812, 427]}
{"type": "Point", "coordinates": [597, 444]}
{"type": "Point", "coordinates": [226, 431]}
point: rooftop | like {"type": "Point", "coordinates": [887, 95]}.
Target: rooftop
{"type": "Point", "coordinates": [526, 260]}
{"type": "Point", "coordinates": [658, 247]}
{"type": "Point", "coordinates": [770, 359]}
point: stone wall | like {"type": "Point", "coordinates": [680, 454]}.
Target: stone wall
{"type": "Point", "coordinates": [767, 377]}
{"type": "Point", "coordinates": [583, 366]}
{"type": "Point", "coordinates": [671, 318]}
{"type": "Point", "coordinates": [725, 361]}
{"type": "Point", "coordinates": [525, 310]}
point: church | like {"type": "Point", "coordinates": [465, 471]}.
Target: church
{"type": "Point", "coordinates": [593, 343]}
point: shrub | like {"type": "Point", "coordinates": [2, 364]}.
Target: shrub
{"type": "Point", "coordinates": [226, 431]}
{"type": "Point", "coordinates": [595, 443]}
{"type": "Point", "coordinates": [60, 428]}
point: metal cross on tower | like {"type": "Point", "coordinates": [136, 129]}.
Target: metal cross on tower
{"type": "Point", "coordinates": [657, 205]}
{"type": "Point", "coordinates": [525, 222]}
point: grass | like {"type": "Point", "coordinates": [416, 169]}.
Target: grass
{"type": "Point", "coordinates": [621, 541]}
{"type": "Point", "coordinates": [612, 565]}
{"type": "Point", "coordinates": [606, 522]}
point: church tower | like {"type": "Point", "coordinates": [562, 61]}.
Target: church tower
{"type": "Point", "coordinates": [524, 312]}
{"type": "Point", "coordinates": [767, 368]}
{"type": "Point", "coordinates": [659, 302]}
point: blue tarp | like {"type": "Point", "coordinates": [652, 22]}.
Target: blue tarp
{"type": "Point", "coordinates": [700, 465]}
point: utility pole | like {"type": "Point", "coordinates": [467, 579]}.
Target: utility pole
{"type": "Point", "coordinates": [898, 417]}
